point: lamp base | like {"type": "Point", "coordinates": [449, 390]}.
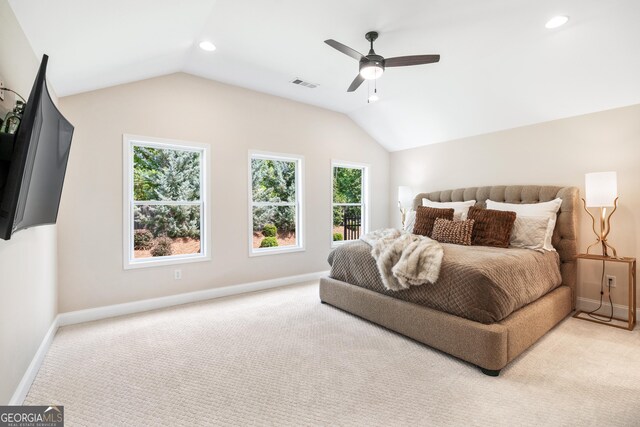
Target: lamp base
{"type": "Point", "coordinates": [605, 228]}
{"type": "Point", "coordinates": [605, 247]}
{"type": "Point", "coordinates": [403, 214]}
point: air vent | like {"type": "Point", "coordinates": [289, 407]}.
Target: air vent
{"type": "Point", "coordinates": [303, 83]}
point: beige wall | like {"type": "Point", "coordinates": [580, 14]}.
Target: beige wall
{"type": "Point", "coordinates": [556, 153]}
{"type": "Point", "coordinates": [28, 260]}
{"type": "Point", "coordinates": [232, 120]}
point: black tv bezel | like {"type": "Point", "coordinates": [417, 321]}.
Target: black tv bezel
{"type": "Point", "coordinates": [22, 143]}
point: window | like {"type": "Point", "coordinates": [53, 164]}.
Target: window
{"type": "Point", "coordinates": [164, 201]}
{"type": "Point", "coordinates": [349, 201]}
{"type": "Point", "coordinates": [275, 203]}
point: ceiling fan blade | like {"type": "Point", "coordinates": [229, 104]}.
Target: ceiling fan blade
{"type": "Point", "coordinates": [344, 49]}
{"type": "Point", "coordinates": [355, 84]}
{"type": "Point", "coordinates": [403, 61]}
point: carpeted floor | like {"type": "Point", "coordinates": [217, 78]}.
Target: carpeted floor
{"type": "Point", "coordinates": [280, 357]}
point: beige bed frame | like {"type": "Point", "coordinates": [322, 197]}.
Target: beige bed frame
{"type": "Point", "coordinates": [490, 347]}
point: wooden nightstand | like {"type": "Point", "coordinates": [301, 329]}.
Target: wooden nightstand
{"type": "Point", "coordinates": [631, 319]}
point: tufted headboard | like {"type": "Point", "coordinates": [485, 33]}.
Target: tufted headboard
{"type": "Point", "coordinates": [564, 235]}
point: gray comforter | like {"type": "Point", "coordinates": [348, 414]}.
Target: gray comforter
{"type": "Point", "coordinates": [476, 282]}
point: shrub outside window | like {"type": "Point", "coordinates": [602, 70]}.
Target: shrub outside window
{"type": "Point", "coordinates": [349, 204]}
{"type": "Point", "coordinates": [275, 203]}
{"type": "Point", "coordinates": [165, 202]}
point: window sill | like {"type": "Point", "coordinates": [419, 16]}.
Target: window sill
{"type": "Point", "coordinates": [275, 251]}
{"type": "Point", "coordinates": [147, 263]}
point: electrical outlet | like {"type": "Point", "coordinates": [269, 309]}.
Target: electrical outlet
{"type": "Point", "coordinates": [1, 91]}
{"type": "Point", "coordinates": [177, 274]}
{"type": "Point", "coordinates": [611, 281]}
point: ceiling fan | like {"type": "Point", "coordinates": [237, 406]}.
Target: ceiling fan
{"type": "Point", "coordinates": [372, 65]}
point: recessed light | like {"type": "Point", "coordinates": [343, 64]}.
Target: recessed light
{"type": "Point", "coordinates": [207, 45]}
{"type": "Point", "coordinates": [556, 21]}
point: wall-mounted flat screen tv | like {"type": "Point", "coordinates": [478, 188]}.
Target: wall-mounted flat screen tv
{"type": "Point", "coordinates": [32, 172]}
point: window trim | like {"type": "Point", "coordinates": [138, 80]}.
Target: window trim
{"type": "Point", "coordinates": [364, 197]}
{"type": "Point", "coordinates": [128, 142]}
{"type": "Point", "coordinates": [300, 213]}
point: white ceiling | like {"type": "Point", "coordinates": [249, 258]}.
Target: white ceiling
{"type": "Point", "coordinates": [500, 67]}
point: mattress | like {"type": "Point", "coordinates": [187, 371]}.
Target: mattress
{"type": "Point", "coordinates": [479, 283]}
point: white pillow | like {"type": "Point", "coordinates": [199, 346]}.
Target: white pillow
{"type": "Point", "coordinates": [460, 209]}
{"type": "Point", "coordinates": [547, 209]}
{"type": "Point", "coordinates": [410, 221]}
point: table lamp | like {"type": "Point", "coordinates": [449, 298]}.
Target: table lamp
{"type": "Point", "coordinates": [601, 190]}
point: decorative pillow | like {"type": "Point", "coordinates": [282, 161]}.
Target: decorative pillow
{"type": "Point", "coordinates": [460, 209]}
{"type": "Point", "coordinates": [410, 221]}
{"type": "Point", "coordinates": [548, 209]}
{"type": "Point", "coordinates": [425, 217]}
{"type": "Point", "coordinates": [491, 227]}
{"type": "Point", "coordinates": [529, 232]}
{"type": "Point", "coordinates": [458, 232]}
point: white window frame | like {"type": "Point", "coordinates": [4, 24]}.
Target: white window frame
{"type": "Point", "coordinates": [130, 141]}
{"type": "Point", "coordinates": [364, 197]}
{"type": "Point", "coordinates": [299, 203]}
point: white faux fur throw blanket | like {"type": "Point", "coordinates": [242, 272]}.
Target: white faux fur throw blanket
{"type": "Point", "coordinates": [404, 259]}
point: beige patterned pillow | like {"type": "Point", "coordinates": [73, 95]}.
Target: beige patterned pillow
{"type": "Point", "coordinates": [530, 232]}
{"type": "Point", "coordinates": [458, 232]}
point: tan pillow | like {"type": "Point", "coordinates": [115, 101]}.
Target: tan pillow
{"type": "Point", "coordinates": [491, 227]}
{"type": "Point", "coordinates": [425, 217]}
{"type": "Point", "coordinates": [458, 232]}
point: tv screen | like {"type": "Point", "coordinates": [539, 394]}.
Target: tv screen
{"type": "Point", "coordinates": [35, 174]}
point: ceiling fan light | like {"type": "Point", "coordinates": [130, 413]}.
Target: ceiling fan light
{"type": "Point", "coordinates": [371, 71]}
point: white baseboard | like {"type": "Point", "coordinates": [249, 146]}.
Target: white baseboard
{"type": "Point", "coordinates": [31, 372]}
{"type": "Point", "coordinates": [586, 304]}
{"type": "Point", "coordinates": [88, 315]}
{"type": "Point", "coordinates": [80, 316]}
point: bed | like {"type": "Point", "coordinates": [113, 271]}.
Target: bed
{"type": "Point", "coordinates": [488, 335]}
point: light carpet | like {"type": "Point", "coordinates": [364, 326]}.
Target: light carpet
{"type": "Point", "coordinates": [280, 357]}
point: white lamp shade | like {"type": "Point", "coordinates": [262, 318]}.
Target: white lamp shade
{"type": "Point", "coordinates": [601, 189]}
{"type": "Point", "coordinates": [405, 196]}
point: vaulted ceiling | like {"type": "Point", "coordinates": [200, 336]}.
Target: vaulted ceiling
{"type": "Point", "coordinates": [500, 67]}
